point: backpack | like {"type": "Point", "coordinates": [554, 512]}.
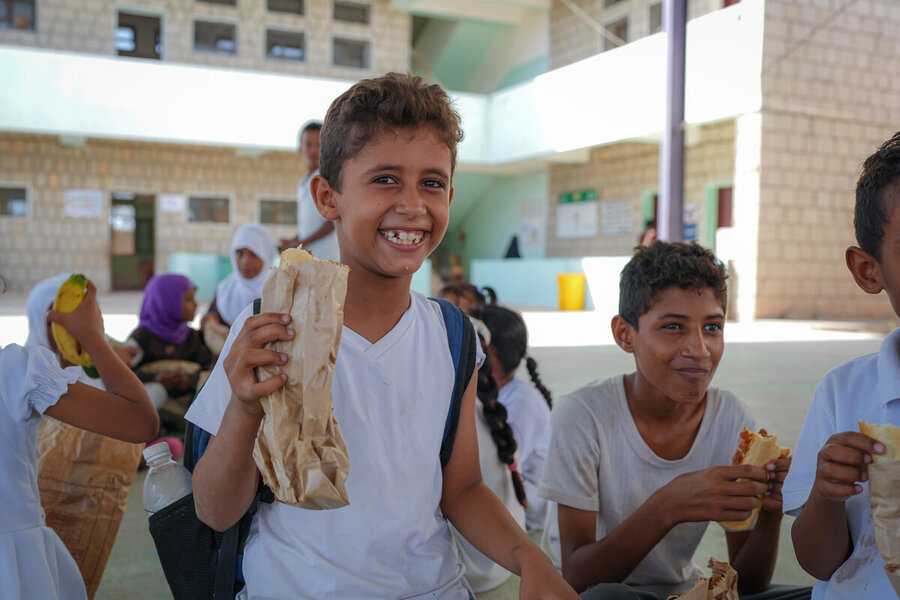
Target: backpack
{"type": "Point", "coordinates": [202, 564]}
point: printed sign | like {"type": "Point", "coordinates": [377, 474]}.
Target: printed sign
{"type": "Point", "coordinates": [532, 224]}
{"type": "Point", "coordinates": [577, 220]}
{"type": "Point", "coordinates": [172, 203]}
{"type": "Point", "coordinates": [615, 217]}
{"type": "Point", "coordinates": [83, 203]}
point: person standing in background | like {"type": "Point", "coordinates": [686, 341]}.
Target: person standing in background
{"type": "Point", "coordinates": [315, 232]}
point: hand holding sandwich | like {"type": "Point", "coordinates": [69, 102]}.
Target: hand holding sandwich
{"type": "Point", "coordinates": [727, 493]}
{"type": "Point", "coordinates": [842, 462]}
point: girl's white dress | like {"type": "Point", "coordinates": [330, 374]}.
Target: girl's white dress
{"type": "Point", "coordinates": [34, 563]}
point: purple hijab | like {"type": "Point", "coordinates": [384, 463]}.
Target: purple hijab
{"type": "Point", "coordinates": [161, 309]}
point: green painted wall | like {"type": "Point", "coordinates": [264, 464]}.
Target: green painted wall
{"type": "Point", "coordinates": [464, 52]}
{"type": "Point", "coordinates": [491, 223]}
{"type": "Point", "coordinates": [526, 71]}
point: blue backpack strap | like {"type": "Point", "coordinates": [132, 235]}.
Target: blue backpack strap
{"type": "Point", "coordinates": [461, 339]}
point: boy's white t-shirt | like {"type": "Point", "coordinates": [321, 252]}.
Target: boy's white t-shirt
{"type": "Point", "coordinates": [867, 389]}
{"type": "Point", "coordinates": [391, 400]}
{"type": "Point", "coordinates": [528, 413]}
{"type": "Point", "coordinates": [599, 462]}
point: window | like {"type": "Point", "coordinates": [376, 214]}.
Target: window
{"type": "Point", "coordinates": [208, 209]}
{"type": "Point", "coordinates": [225, 2]}
{"type": "Point", "coordinates": [13, 201]}
{"type": "Point", "coordinates": [352, 12]}
{"type": "Point", "coordinates": [655, 18]}
{"type": "Point", "coordinates": [608, 3]}
{"type": "Point", "coordinates": [210, 36]}
{"type": "Point", "coordinates": [17, 14]}
{"type": "Point", "coordinates": [138, 36]}
{"type": "Point", "coordinates": [351, 53]}
{"type": "Point", "coordinates": [278, 212]}
{"type": "Point", "coordinates": [725, 217]}
{"type": "Point", "coordinates": [285, 45]}
{"type": "Point", "coordinates": [287, 6]}
{"type": "Point", "coordinates": [619, 29]}
{"type": "Point", "coordinates": [729, 2]}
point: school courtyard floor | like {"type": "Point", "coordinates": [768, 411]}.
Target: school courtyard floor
{"type": "Point", "coordinates": [773, 366]}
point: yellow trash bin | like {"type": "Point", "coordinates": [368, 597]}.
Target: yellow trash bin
{"type": "Point", "coordinates": [571, 291]}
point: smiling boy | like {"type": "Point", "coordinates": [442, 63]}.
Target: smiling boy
{"type": "Point", "coordinates": [388, 151]}
{"type": "Point", "coordinates": [639, 464]}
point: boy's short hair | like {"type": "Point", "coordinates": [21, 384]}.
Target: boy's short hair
{"type": "Point", "coordinates": [871, 215]}
{"type": "Point", "coordinates": [308, 126]}
{"type": "Point", "coordinates": [661, 265]}
{"type": "Point", "coordinates": [388, 102]}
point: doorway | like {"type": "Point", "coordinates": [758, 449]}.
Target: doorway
{"type": "Point", "coordinates": [132, 240]}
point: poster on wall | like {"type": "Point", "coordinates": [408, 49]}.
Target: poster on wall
{"type": "Point", "coordinates": [83, 203]}
{"type": "Point", "coordinates": [615, 217]}
{"type": "Point", "coordinates": [532, 224]}
{"type": "Point", "coordinates": [172, 203]}
{"type": "Point", "coordinates": [690, 215]}
{"type": "Point", "coordinates": [577, 215]}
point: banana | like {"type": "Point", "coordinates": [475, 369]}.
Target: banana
{"type": "Point", "coordinates": [69, 296]}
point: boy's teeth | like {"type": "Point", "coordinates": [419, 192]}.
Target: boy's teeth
{"type": "Point", "coordinates": [404, 238]}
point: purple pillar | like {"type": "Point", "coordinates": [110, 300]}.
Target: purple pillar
{"type": "Point", "coordinates": [669, 224]}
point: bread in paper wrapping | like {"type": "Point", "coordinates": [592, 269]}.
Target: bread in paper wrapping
{"type": "Point", "coordinates": [721, 586]}
{"type": "Point", "coordinates": [754, 449]}
{"type": "Point", "coordinates": [299, 449]}
{"type": "Point", "coordinates": [884, 496]}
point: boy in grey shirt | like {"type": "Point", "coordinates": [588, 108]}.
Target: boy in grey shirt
{"type": "Point", "coordinates": [639, 464]}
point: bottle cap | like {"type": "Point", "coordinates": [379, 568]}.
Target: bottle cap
{"type": "Point", "coordinates": [156, 450]}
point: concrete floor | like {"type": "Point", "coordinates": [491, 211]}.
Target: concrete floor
{"type": "Point", "coordinates": [776, 379]}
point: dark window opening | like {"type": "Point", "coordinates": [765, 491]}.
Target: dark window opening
{"type": "Point", "coordinates": [17, 14]}
{"type": "Point", "coordinates": [138, 36]}
{"type": "Point", "coordinates": [285, 45]}
{"type": "Point", "coordinates": [210, 36]}
{"type": "Point", "coordinates": [352, 12]}
{"type": "Point", "coordinates": [286, 6]}
{"type": "Point", "coordinates": [208, 209]}
{"type": "Point", "coordinates": [278, 212]}
{"type": "Point", "coordinates": [13, 201]}
{"type": "Point", "coordinates": [351, 53]}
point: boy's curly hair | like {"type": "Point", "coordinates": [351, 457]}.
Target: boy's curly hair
{"type": "Point", "coordinates": [388, 102]}
{"type": "Point", "coordinates": [880, 170]}
{"type": "Point", "coordinates": [661, 265]}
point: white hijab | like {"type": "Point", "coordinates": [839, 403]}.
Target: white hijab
{"type": "Point", "coordinates": [40, 300]}
{"type": "Point", "coordinates": [234, 292]}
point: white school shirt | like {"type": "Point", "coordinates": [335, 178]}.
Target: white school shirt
{"type": "Point", "coordinates": [868, 389]}
{"type": "Point", "coordinates": [309, 220]}
{"type": "Point", "coordinates": [528, 414]}
{"type": "Point", "coordinates": [391, 400]}
{"type": "Point", "coordinates": [599, 462]}
{"type": "Point", "coordinates": [34, 562]}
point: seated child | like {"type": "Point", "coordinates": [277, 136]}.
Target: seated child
{"type": "Point", "coordinates": [497, 457]}
{"type": "Point", "coordinates": [527, 404]}
{"type": "Point", "coordinates": [33, 560]}
{"type": "Point", "coordinates": [467, 296]}
{"type": "Point", "coordinates": [827, 486]}
{"type": "Point", "coordinates": [253, 250]}
{"type": "Point", "coordinates": [639, 464]}
{"type": "Point", "coordinates": [388, 148]}
{"type": "Point", "coordinates": [163, 334]}
{"type": "Point", "coordinates": [38, 306]}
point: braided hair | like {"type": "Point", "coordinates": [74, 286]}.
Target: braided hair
{"type": "Point", "coordinates": [509, 338]}
{"type": "Point", "coordinates": [501, 432]}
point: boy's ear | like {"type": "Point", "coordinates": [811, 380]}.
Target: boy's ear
{"type": "Point", "coordinates": [865, 269]}
{"type": "Point", "coordinates": [623, 333]}
{"type": "Point", "coordinates": [324, 196]}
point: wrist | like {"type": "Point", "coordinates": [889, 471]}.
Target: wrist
{"type": "Point", "coordinates": [248, 410]}
{"type": "Point", "coordinates": [661, 510]}
{"type": "Point", "coordinates": [527, 557]}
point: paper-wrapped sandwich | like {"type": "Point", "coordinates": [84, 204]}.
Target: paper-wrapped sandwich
{"type": "Point", "coordinates": [884, 492]}
{"type": "Point", "coordinates": [755, 449]}
{"type": "Point", "coordinates": [721, 586]}
{"type": "Point", "coordinates": [300, 450]}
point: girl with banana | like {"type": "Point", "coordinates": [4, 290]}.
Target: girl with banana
{"type": "Point", "coordinates": [34, 563]}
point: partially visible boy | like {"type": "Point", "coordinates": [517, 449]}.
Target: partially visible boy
{"type": "Point", "coordinates": [639, 464]}
{"type": "Point", "coordinates": [827, 487]}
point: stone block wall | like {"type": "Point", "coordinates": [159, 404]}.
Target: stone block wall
{"type": "Point", "coordinates": [830, 91]}
{"type": "Point", "coordinates": [89, 26]}
{"type": "Point", "coordinates": [631, 170]}
{"type": "Point", "coordinates": [48, 241]}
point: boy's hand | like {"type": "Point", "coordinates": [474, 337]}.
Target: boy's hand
{"type": "Point", "coordinates": [714, 494]}
{"type": "Point", "coordinates": [247, 353]}
{"type": "Point", "coordinates": [85, 323]}
{"type": "Point", "coordinates": [776, 471]}
{"type": "Point", "coordinates": [844, 460]}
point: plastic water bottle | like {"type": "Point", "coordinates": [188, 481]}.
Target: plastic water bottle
{"type": "Point", "coordinates": [166, 482]}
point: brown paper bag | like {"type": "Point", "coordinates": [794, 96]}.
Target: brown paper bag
{"type": "Point", "coordinates": [299, 449]}
{"type": "Point", "coordinates": [84, 479]}
{"type": "Point", "coordinates": [721, 586]}
{"type": "Point", "coordinates": [884, 491]}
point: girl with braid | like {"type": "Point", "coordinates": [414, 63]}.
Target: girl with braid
{"type": "Point", "coordinates": [527, 404]}
{"type": "Point", "coordinates": [497, 456]}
